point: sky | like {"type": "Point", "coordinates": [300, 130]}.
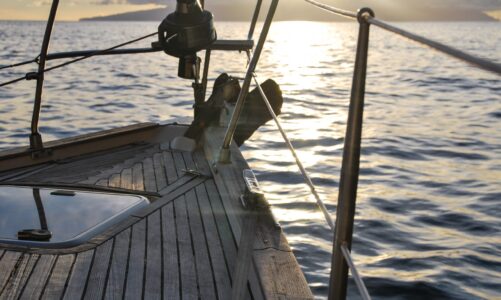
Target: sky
{"type": "Point", "coordinates": [70, 10]}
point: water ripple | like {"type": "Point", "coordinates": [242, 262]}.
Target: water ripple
{"type": "Point", "coordinates": [429, 201]}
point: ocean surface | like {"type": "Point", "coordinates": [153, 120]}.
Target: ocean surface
{"type": "Point", "coordinates": [428, 220]}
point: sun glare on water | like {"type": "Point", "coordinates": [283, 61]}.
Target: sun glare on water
{"type": "Point", "coordinates": [297, 48]}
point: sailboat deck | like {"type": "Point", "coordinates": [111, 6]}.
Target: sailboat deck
{"type": "Point", "coordinates": [183, 246]}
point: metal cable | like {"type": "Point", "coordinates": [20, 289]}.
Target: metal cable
{"type": "Point", "coordinates": [473, 60]}
{"type": "Point", "coordinates": [105, 50]}
{"type": "Point", "coordinates": [13, 81]}
{"type": "Point", "coordinates": [307, 178]}
{"type": "Point", "coordinates": [341, 12]}
{"type": "Point", "coordinates": [19, 64]}
{"type": "Point", "coordinates": [451, 51]}
{"type": "Point", "coordinates": [85, 57]}
{"type": "Point", "coordinates": [356, 276]}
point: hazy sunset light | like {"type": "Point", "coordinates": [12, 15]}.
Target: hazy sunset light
{"type": "Point", "coordinates": [219, 149]}
{"type": "Point", "coordinates": [288, 10]}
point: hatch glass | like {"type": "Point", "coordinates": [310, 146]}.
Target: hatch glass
{"type": "Point", "coordinates": [55, 218]}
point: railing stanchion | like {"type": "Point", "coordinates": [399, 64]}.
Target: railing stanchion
{"type": "Point", "coordinates": [254, 19]}
{"type": "Point", "coordinates": [351, 162]}
{"type": "Point", "coordinates": [35, 137]}
{"type": "Point", "coordinates": [205, 76]}
{"type": "Point", "coordinates": [224, 154]}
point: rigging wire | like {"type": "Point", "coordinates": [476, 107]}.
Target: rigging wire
{"type": "Point", "coordinates": [13, 81]}
{"type": "Point", "coordinates": [305, 174]}
{"type": "Point", "coordinates": [35, 60]}
{"type": "Point", "coordinates": [481, 63]}
{"type": "Point", "coordinates": [30, 76]}
{"type": "Point", "coordinates": [287, 141]}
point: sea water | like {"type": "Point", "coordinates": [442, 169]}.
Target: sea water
{"type": "Point", "coordinates": [428, 220]}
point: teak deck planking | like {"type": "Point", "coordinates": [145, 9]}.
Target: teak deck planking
{"type": "Point", "coordinates": [184, 246]}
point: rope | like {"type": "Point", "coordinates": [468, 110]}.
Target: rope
{"type": "Point", "coordinates": [306, 177]}
{"type": "Point", "coordinates": [27, 77]}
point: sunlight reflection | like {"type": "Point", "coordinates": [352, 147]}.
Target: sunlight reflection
{"type": "Point", "coordinates": [299, 47]}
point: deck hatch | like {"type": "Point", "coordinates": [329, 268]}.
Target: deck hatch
{"type": "Point", "coordinates": [71, 216]}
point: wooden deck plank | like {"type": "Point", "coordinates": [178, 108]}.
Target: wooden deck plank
{"type": "Point", "coordinates": [126, 179]}
{"type": "Point", "coordinates": [189, 288]}
{"type": "Point", "coordinates": [170, 168]}
{"type": "Point", "coordinates": [179, 183]}
{"type": "Point", "coordinates": [170, 254]}
{"type": "Point", "coordinates": [92, 167]}
{"type": "Point", "coordinates": [7, 265]}
{"type": "Point", "coordinates": [108, 164]}
{"type": "Point", "coordinates": [171, 196]}
{"type": "Point", "coordinates": [114, 180]}
{"type": "Point", "coordinates": [135, 274]}
{"type": "Point", "coordinates": [185, 249]}
{"type": "Point", "coordinates": [230, 184]}
{"type": "Point", "coordinates": [226, 228]}
{"type": "Point", "coordinates": [203, 239]}
{"type": "Point", "coordinates": [153, 279]}
{"type": "Point", "coordinates": [189, 285]}
{"type": "Point", "coordinates": [229, 195]}
{"type": "Point", "coordinates": [38, 279]}
{"type": "Point", "coordinates": [79, 275]}
{"type": "Point", "coordinates": [19, 277]}
{"type": "Point", "coordinates": [137, 177]}
{"type": "Point", "coordinates": [178, 163]}
{"type": "Point", "coordinates": [159, 168]}
{"type": "Point", "coordinates": [58, 278]}
{"type": "Point", "coordinates": [102, 182]}
{"type": "Point", "coordinates": [227, 238]}
{"type": "Point", "coordinates": [118, 268]}
{"type": "Point", "coordinates": [98, 272]}
{"type": "Point", "coordinates": [202, 262]}
{"type": "Point", "coordinates": [223, 226]}
{"type": "Point", "coordinates": [219, 266]}
{"type": "Point", "coordinates": [188, 160]}
{"type": "Point", "coordinates": [281, 271]}
{"type": "Point", "coordinates": [150, 183]}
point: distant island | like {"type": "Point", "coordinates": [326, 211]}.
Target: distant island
{"type": "Point", "coordinates": [298, 10]}
{"type": "Point", "coordinates": [142, 15]}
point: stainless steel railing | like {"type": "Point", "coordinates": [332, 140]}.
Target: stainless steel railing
{"type": "Point", "coordinates": [342, 261]}
{"type": "Point", "coordinates": [36, 143]}
{"type": "Point", "coordinates": [224, 154]}
{"type": "Point", "coordinates": [35, 137]}
{"type": "Point", "coordinates": [451, 51]}
{"type": "Point", "coordinates": [343, 229]}
{"type": "Point", "coordinates": [341, 258]}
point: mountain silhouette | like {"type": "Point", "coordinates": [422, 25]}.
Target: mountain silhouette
{"type": "Point", "coordinates": [411, 10]}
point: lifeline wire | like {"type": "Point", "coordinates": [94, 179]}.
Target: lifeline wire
{"type": "Point", "coordinates": [87, 56]}
{"type": "Point", "coordinates": [307, 178]}
{"type": "Point", "coordinates": [481, 63]}
{"type": "Point", "coordinates": [20, 63]}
